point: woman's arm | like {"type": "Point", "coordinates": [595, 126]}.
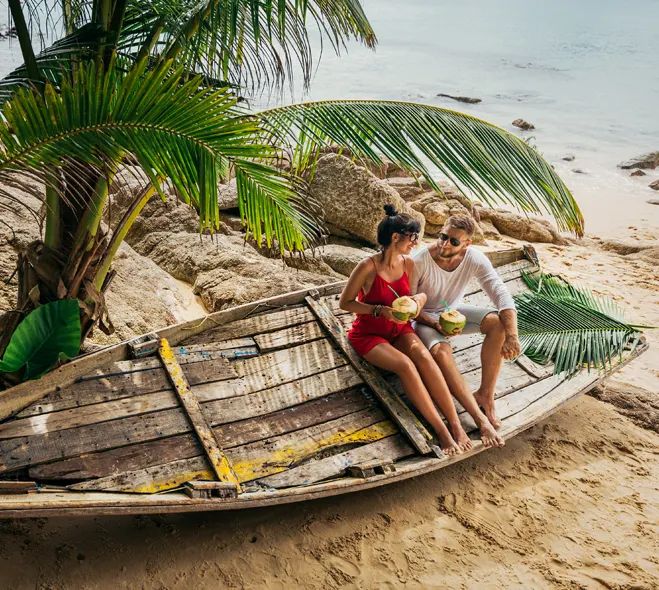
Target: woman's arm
{"type": "Point", "coordinates": [359, 277]}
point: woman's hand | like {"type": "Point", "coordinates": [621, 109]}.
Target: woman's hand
{"type": "Point", "coordinates": [388, 312]}
{"type": "Point", "coordinates": [420, 299]}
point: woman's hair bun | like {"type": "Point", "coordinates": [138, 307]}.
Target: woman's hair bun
{"type": "Point", "coordinates": [390, 210]}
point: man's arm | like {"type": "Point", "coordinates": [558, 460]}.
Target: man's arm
{"type": "Point", "coordinates": [510, 347]}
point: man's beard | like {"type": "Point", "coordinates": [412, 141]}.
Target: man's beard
{"type": "Point", "coordinates": [449, 255]}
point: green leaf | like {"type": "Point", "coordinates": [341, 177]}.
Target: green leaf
{"type": "Point", "coordinates": [49, 334]}
{"type": "Point", "coordinates": [570, 326]}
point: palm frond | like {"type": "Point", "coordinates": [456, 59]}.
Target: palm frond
{"type": "Point", "coordinates": [496, 166]}
{"type": "Point", "coordinates": [251, 43]}
{"type": "Point", "coordinates": [566, 325]}
{"type": "Point", "coordinates": [173, 127]}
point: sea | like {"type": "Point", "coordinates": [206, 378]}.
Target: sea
{"type": "Point", "coordinates": [585, 73]}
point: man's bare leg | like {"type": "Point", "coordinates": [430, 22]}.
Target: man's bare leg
{"type": "Point", "coordinates": [491, 361]}
{"type": "Point", "coordinates": [443, 356]}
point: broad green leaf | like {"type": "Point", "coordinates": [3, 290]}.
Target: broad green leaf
{"type": "Point", "coordinates": [49, 334]}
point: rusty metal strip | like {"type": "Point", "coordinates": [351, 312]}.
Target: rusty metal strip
{"type": "Point", "coordinates": [399, 412]}
{"type": "Point", "coordinates": [218, 460]}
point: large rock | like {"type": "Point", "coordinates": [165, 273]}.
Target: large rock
{"type": "Point", "coordinates": [489, 231]}
{"type": "Point", "coordinates": [520, 227]}
{"type": "Point", "coordinates": [655, 185]}
{"type": "Point", "coordinates": [224, 271]}
{"type": "Point", "coordinates": [645, 162]}
{"type": "Point", "coordinates": [342, 259]}
{"type": "Point", "coordinates": [522, 124]}
{"type": "Point", "coordinates": [228, 195]}
{"type": "Point", "coordinates": [353, 198]}
{"type": "Point", "coordinates": [409, 189]}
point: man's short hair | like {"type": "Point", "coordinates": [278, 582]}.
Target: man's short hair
{"type": "Point", "coordinates": [464, 222]}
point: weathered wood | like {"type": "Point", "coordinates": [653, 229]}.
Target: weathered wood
{"type": "Point", "coordinates": [17, 398]}
{"type": "Point", "coordinates": [371, 468]}
{"type": "Point", "coordinates": [289, 336]}
{"type": "Point", "coordinates": [220, 465]}
{"type": "Point", "coordinates": [252, 375]}
{"type": "Point", "coordinates": [258, 459]}
{"type": "Point", "coordinates": [143, 345]}
{"type": "Point", "coordinates": [400, 413]}
{"type": "Point", "coordinates": [210, 489]}
{"type": "Point", "coordinates": [534, 369]}
{"type": "Point", "coordinates": [390, 449]}
{"type": "Point", "coordinates": [17, 487]}
{"type": "Point", "coordinates": [185, 446]}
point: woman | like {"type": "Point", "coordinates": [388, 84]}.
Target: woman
{"type": "Point", "coordinates": [391, 344]}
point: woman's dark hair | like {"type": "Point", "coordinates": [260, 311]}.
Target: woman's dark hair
{"type": "Point", "coordinates": [394, 223]}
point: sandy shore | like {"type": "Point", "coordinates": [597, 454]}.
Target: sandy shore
{"type": "Point", "coordinates": [571, 503]}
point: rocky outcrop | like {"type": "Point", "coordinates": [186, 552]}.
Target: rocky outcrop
{"type": "Point", "coordinates": [342, 259]}
{"type": "Point", "coordinates": [409, 188]}
{"type": "Point", "coordinates": [638, 172]}
{"type": "Point", "coordinates": [645, 162]}
{"type": "Point", "coordinates": [522, 124]}
{"type": "Point", "coordinates": [529, 229]}
{"type": "Point", "coordinates": [353, 198]}
{"type": "Point", "coordinates": [655, 185]}
{"type": "Point", "coordinates": [465, 99]}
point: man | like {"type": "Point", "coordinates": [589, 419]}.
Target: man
{"type": "Point", "coordinates": [442, 272]}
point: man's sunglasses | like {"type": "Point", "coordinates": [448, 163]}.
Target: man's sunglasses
{"type": "Point", "coordinates": [454, 241]}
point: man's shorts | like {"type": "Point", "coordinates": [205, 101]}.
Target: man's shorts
{"type": "Point", "coordinates": [474, 314]}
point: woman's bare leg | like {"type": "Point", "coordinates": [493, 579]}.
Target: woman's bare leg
{"type": "Point", "coordinates": [410, 345]}
{"type": "Point", "coordinates": [387, 357]}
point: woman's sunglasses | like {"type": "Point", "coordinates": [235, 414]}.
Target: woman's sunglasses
{"type": "Point", "coordinates": [414, 237]}
{"type": "Point", "coordinates": [454, 241]}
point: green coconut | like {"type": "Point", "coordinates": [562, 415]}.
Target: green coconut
{"type": "Point", "coordinates": [452, 321]}
{"type": "Point", "coordinates": [404, 308]}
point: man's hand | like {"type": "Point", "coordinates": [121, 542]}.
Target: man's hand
{"type": "Point", "coordinates": [420, 300]}
{"type": "Point", "coordinates": [510, 348]}
{"type": "Point", "coordinates": [438, 327]}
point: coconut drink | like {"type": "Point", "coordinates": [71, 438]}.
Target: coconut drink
{"type": "Point", "coordinates": [404, 308]}
{"type": "Point", "coordinates": [452, 321]}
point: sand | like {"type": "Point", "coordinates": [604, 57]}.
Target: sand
{"type": "Point", "coordinates": [571, 503]}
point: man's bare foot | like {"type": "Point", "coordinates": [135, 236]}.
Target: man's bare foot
{"type": "Point", "coordinates": [447, 444]}
{"type": "Point", "coordinates": [461, 438]}
{"type": "Point", "coordinates": [489, 436]}
{"type": "Point", "coordinates": [487, 403]}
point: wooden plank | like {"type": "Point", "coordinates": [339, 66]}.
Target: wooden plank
{"type": "Point", "coordinates": [240, 348]}
{"type": "Point", "coordinates": [400, 413]}
{"type": "Point", "coordinates": [222, 411]}
{"type": "Point", "coordinates": [258, 459]}
{"type": "Point", "coordinates": [389, 449]}
{"type": "Point", "coordinates": [289, 336]}
{"type": "Point", "coordinates": [17, 398]}
{"type": "Point", "coordinates": [251, 375]}
{"type": "Point", "coordinates": [220, 465]}
{"type": "Point", "coordinates": [185, 446]}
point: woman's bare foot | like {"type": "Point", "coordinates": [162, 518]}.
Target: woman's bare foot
{"type": "Point", "coordinates": [487, 403]}
{"type": "Point", "coordinates": [447, 444]}
{"type": "Point", "coordinates": [461, 438]}
{"type": "Point", "coordinates": [489, 436]}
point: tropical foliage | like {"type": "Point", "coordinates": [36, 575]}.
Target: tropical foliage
{"type": "Point", "coordinates": [51, 333]}
{"type": "Point", "coordinates": [162, 85]}
{"type": "Point", "coordinates": [571, 326]}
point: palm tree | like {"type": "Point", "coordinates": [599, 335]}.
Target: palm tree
{"type": "Point", "coordinates": [162, 85]}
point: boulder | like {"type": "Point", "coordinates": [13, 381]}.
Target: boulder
{"type": "Point", "coordinates": [653, 201]}
{"type": "Point", "coordinates": [353, 198]}
{"type": "Point", "coordinates": [437, 211]}
{"type": "Point", "coordinates": [225, 271]}
{"type": "Point", "coordinates": [489, 231]}
{"type": "Point", "coordinates": [647, 161]}
{"type": "Point", "coordinates": [465, 99]}
{"type": "Point", "coordinates": [433, 230]}
{"type": "Point", "coordinates": [409, 189]}
{"type": "Point", "coordinates": [638, 172]}
{"type": "Point", "coordinates": [342, 259]}
{"type": "Point", "coordinates": [623, 248]}
{"type": "Point", "coordinates": [655, 185]}
{"type": "Point", "coordinates": [228, 195]}
{"type": "Point", "coordinates": [522, 124]}
{"type": "Point", "coordinates": [520, 227]}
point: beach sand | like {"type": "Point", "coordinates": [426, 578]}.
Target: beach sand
{"type": "Point", "coordinates": [571, 503]}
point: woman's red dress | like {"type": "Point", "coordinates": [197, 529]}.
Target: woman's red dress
{"type": "Point", "coordinates": [368, 331]}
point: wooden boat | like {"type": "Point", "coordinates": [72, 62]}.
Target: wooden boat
{"type": "Point", "coordinates": [265, 403]}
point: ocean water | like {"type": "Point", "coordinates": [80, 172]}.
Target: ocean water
{"type": "Point", "coordinates": [584, 72]}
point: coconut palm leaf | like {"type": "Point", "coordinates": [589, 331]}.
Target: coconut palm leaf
{"type": "Point", "coordinates": [171, 126]}
{"type": "Point", "coordinates": [566, 325]}
{"type": "Point", "coordinates": [496, 166]}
